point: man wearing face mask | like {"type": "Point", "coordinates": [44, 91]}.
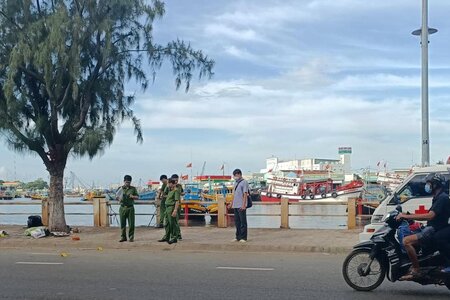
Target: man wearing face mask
{"type": "Point", "coordinates": [437, 218]}
{"type": "Point", "coordinates": [239, 206]}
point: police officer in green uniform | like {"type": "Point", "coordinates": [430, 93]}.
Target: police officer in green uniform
{"type": "Point", "coordinates": [180, 189]}
{"type": "Point", "coordinates": [162, 195]}
{"type": "Point", "coordinates": [172, 204]}
{"type": "Point", "coordinates": [126, 211]}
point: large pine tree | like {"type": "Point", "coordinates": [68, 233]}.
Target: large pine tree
{"type": "Point", "coordinates": [63, 66]}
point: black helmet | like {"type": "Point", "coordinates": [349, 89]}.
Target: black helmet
{"type": "Point", "coordinates": [436, 179]}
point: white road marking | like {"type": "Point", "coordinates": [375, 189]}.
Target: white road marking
{"type": "Point", "coordinates": [245, 269]}
{"type": "Point", "coordinates": [37, 263]}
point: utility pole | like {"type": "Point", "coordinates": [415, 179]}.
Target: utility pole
{"type": "Point", "coordinates": [423, 33]}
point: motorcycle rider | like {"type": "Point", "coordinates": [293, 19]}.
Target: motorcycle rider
{"type": "Point", "coordinates": [437, 218]}
{"type": "Point", "coordinates": [442, 242]}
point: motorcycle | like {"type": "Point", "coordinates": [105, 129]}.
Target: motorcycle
{"type": "Point", "coordinates": [370, 262]}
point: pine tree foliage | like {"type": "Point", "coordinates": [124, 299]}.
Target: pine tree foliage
{"type": "Point", "coordinates": [63, 67]}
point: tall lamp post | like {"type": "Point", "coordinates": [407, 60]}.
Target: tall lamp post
{"type": "Point", "coordinates": [423, 33]}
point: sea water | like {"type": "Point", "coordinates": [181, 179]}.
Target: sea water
{"type": "Point", "coordinates": [326, 220]}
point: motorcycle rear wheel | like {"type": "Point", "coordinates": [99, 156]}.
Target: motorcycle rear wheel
{"type": "Point", "coordinates": [353, 267]}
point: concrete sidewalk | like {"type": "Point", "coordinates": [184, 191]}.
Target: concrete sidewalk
{"type": "Point", "coordinates": [194, 239]}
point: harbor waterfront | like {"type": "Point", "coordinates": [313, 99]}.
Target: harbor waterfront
{"type": "Point", "coordinates": [331, 216]}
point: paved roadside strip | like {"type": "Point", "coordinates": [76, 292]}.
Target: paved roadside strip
{"type": "Point", "coordinates": [194, 239]}
{"type": "Point", "coordinates": [37, 263]}
{"type": "Point", "coordinates": [245, 269]}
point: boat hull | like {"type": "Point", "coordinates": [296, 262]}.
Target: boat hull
{"type": "Point", "coordinates": [340, 197]}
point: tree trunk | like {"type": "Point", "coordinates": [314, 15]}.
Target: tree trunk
{"type": "Point", "coordinates": [57, 221]}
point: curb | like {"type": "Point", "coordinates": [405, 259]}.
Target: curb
{"type": "Point", "coordinates": [180, 246]}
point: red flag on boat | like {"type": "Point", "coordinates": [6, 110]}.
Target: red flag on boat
{"type": "Point", "coordinates": [189, 165]}
{"type": "Point", "coordinates": [448, 160]}
{"type": "Point", "coordinates": [184, 177]}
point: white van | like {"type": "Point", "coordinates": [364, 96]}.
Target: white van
{"type": "Point", "coordinates": [410, 194]}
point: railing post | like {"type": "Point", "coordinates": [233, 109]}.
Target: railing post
{"type": "Point", "coordinates": [104, 217]}
{"type": "Point", "coordinates": [284, 213]}
{"type": "Point", "coordinates": [96, 211]}
{"type": "Point", "coordinates": [45, 212]}
{"type": "Point", "coordinates": [221, 212]}
{"type": "Point", "coordinates": [360, 207]}
{"type": "Point", "coordinates": [351, 213]}
{"type": "Point", "coordinates": [186, 214]}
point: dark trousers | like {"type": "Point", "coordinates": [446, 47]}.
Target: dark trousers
{"type": "Point", "coordinates": [240, 220]}
{"type": "Point", "coordinates": [442, 242]}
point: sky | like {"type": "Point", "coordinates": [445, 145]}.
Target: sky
{"type": "Point", "coordinates": [293, 79]}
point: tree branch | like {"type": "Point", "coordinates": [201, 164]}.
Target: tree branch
{"type": "Point", "coordinates": [65, 97]}
{"type": "Point", "coordinates": [38, 4]}
{"type": "Point", "coordinates": [32, 74]}
{"type": "Point", "coordinates": [30, 143]}
{"type": "Point", "coordinates": [93, 78]}
{"type": "Point", "coordinates": [122, 37]}
{"type": "Point", "coordinates": [10, 19]}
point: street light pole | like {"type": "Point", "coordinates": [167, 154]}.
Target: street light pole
{"type": "Point", "coordinates": [424, 32]}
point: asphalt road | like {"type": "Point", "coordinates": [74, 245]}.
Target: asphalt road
{"type": "Point", "coordinates": [121, 274]}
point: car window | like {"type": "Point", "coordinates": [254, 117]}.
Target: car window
{"type": "Point", "coordinates": [415, 188]}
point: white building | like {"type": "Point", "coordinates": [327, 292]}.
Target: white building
{"type": "Point", "coordinates": [341, 165]}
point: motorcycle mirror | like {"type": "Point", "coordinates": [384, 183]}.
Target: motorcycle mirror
{"type": "Point", "coordinates": [399, 208]}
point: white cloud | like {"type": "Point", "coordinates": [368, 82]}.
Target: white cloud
{"type": "Point", "coordinates": [220, 30]}
{"type": "Point", "coordinates": [294, 78]}
{"type": "Point", "coordinates": [377, 81]}
{"type": "Point", "coordinates": [316, 73]}
{"type": "Point", "coordinates": [240, 53]}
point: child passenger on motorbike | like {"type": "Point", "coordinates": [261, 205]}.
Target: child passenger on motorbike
{"type": "Point", "coordinates": [437, 218]}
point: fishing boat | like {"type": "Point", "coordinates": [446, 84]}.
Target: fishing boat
{"type": "Point", "coordinates": [192, 194]}
{"type": "Point", "coordinates": [148, 195]}
{"type": "Point", "coordinates": [300, 188]}
{"type": "Point", "coordinates": [73, 194]}
{"type": "Point", "coordinates": [208, 187]}
{"type": "Point", "coordinates": [150, 192]}
{"type": "Point", "coordinates": [39, 196]}
{"type": "Point", "coordinates": [7, 193]}
{"type": "Point", "coordinates": [98, 193]}
{"type": "Point", "coordinates": [392, 179]}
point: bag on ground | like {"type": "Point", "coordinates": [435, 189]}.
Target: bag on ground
{"type": "Point", "coordinates": [34, 221]}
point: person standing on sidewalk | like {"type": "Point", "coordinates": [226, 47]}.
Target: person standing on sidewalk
{"type": "Point", "coordinates": [172, 204]}
{"type": "Point", "coordinates": [239, 206]}
{"type": "Point", "coordinates": [162, 194]}
{"type": "Point", "coordinates": [126, 211]}
{"type": "Point", "coordinates": [180, 189]}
